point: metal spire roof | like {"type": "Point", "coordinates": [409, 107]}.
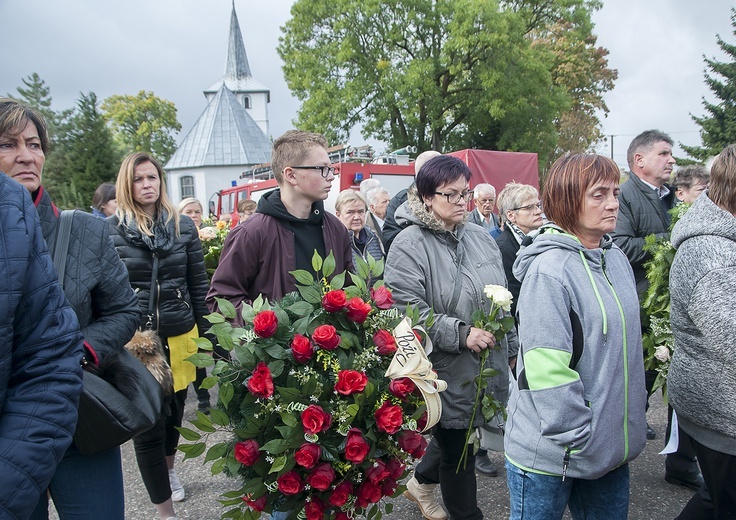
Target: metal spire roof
{"type": "Point", "coordinates": [224, 135]}
{"type": "Point", "coordinates": [237, 75]}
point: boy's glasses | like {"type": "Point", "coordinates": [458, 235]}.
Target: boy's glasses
{"type": "Point", "coordinates": [324, 171]}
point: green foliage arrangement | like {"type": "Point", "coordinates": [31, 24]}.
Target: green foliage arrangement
{"type": "Point", "coordinates": [316, 428]}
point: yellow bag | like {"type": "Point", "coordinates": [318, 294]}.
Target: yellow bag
{"type": "Point", "coordinates": [180, 348]}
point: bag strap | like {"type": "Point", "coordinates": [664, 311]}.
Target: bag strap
{"type": "Point", "coordinates": [61, 247]}
{"type": "Point", "coordinates": [458, 282]}
{"type": "Point", "coordinates": [151, 297]}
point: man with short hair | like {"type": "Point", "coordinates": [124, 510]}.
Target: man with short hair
{"type": "Point", "coordinates": [644, 203]}
{"type": "Point", "coordinates": [289, 224]}
{"type": "Point", "coordinates": [485, 200]}
{"type": "Point", "coordinates": [378, 199]}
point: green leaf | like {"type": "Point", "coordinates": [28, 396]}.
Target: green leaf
{"type": "Point", "coordinates": [363, 270]}
{"type": "Point", "coordinates": [359, 282]}
{"type": "Point", "coordinates": [276, 368]}
{"type": "Point", "coordinates": [275, 446]}
{"type": "Point", "coordinates": [301, 308]}
{"type": "Point", "coordinates": [218, 466]}
{"type": "Point", "coordinates": [288, 394]}
{"type": "Point", "coordinates": [302, 277]}
{"type": "Point", "coordinates": [316, 262]}
{"type": "Point", "coordinates": [276, 351]}
{"type": "Point", "coordinates": [201, 360]}
{"type": "Point", "coordinates": [338, 281]}
{"type": "Point", "coordinates": [226, 308]}
{"type": "Point", "coordinates": [328, 267]}
{"type": "Point", "coordinates": [300, 326]}
{"type": "Point", "coordinates": [226, 393]}
{"type": "Point", "coordinates": [217, 451]}
{"type": "Point", "coordinates": [278, 464]}
{"type": "Point", "coordinates": [215, 317]}
{"type": "Point", "coordinates": [209, 382]}
{"type": "Point", "coordinates": [188, 434]}
{"type": "Point", "coordinates": [202, 343]}
{"type": "Point", "coordinates": [289, 419]}
{"type": "Point", "coordinates": [219, 417]}
{"type": "Point", "coordinates": [310, 293]}
{"type": "Point", "coordinates": [192, 450]}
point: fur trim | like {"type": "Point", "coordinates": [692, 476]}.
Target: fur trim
{"type": "Point", "coordinates": [147, 347]}
{"type": "Point", "coordinates": [417, 206]}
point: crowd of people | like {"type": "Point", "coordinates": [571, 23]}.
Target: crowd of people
{"type": "Point", "coordinates": [570, 373]}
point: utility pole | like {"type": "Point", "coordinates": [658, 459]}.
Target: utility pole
{"type": "Point", "coordinates": [611, 136]}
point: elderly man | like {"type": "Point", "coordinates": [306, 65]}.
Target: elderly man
{"type": "Point", "coordinates": [485, 200]}
{"type": "Point", "coordinates": [378, 199]}
{"type": "Point", "coordinates": [644, 202]}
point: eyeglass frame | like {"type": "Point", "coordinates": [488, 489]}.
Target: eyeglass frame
{"type": "Point", "coordinates": [528, 207]}
{"type": "Point", "coordinates": [465, 198]}
{"type": "Point", "coordinates": [329, 169]}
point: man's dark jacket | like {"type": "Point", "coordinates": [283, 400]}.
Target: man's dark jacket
{"type": "Point", "coordinates": [640, 213]}
{"type": "Point", "coordinates": [259, 253]}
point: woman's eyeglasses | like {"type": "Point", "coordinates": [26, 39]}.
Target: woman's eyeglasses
{"type": "Point", "coordinates": [454, 198]}
{"type": "Point", "coordinates": [325, 171]}
{"type": "Point", "coordinates": [530, 207]}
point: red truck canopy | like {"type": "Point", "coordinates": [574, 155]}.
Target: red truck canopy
{"type": "Point", "coordinates": [500, 168]}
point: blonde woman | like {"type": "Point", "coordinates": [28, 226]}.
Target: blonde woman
{"type": "Point", "coordinates": [165, 264]}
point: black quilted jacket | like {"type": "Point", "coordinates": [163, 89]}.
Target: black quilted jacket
{"type": "Point", "coordinates": [181, 284]}
{"type": "Point", "coordinates": [96, 282]}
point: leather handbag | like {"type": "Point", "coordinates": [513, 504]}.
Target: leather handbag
{"type": "Point", "coordinates": [120, 398]}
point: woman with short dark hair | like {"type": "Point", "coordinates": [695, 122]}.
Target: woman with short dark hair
{"type": "Point", "coordinates": [438, 264]}
{"type": "Point", "coordinates": [104, 203]}
{"type": "Point", "coordinates": [576, 413]}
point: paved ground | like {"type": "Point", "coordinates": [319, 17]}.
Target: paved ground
{"type": "Point", "coordinates": [651, 496]}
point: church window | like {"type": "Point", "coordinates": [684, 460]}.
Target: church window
{"type": "Point", "coordinates": [246, 102]}
{"type": "Point", "coordinates": [186, 184]}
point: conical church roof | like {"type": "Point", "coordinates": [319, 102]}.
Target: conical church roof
{"type": "Point", "coordinates": [237, 75]}
{"type": "Point", "coordinates": [225, 134]}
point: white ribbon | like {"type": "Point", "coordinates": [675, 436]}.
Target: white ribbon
{"type": "Point", "coordinates": [411, 361]}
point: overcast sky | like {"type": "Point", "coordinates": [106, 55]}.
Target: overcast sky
{"type": "Point", "coordinates": [177, 48]}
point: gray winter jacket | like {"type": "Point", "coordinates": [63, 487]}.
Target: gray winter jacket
{"type": "Point", "coordinates": [422, 271]}
{"type": "Point", "coordinates": [702, 376]}
{"type": "Point", "coordinates": [641, 213]}
{"type": "Point", "coordinates": [579, 394]}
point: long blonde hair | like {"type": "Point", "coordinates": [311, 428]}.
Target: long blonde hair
{"type": "Point", "coordinates": [128, 208]}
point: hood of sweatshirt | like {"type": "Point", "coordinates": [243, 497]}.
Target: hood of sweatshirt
{"type": "Point", "coordinates": [704, 218]}
{"type": "Point", "coordinates": [270, 204]}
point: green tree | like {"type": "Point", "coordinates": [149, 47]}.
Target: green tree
{"type": "Point", "coordinates": [143, 123]}
{"type": "Point", "coordinates": [89, 156]}
{"type": "Point", "coordinates": [437, 74]}
{"type": "Point", "coordinates": [718, 127]}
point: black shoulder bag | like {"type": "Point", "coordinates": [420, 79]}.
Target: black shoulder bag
{"type": "Point", "coordinates": [120, 398]}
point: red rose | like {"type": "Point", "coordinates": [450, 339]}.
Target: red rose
{"type": "Point", "coordinates": [422, 421]}
{"type": "Point", "coordinates": [350, 382]}
{"type": "Point", "coordinates": [401, 387]}
{"type": "Point", "coordinates": [301, 348]}
{"type": "Point", "coordinates": [290, 483]}
{"type": "Point", "coordinates": [358, 310]}
{"type": "Point", "coordinates": [321, 477]}
{"type": "Point", "coordinates": [326, 336]}
{"type": "Point", "coordinates": [382, 297]}
{"type": "Point", "coordinates": [356, 448]}
{"type": "Point", "coordinates": [396, 468]}
{"type": "Point", "coordinates": [260, 383]}
{"type": "Point", "coordinates": [377, 472]}
{"type": "Point", "coordinates": [315, 419]}
{"type": "Point", "coordinates": [389, 418]}
{"type": "Point", "coordinates": [315, 509]}
{"type": "Point", "coordinates": [265, 324]}
{"type": "Point", "coordinates": [334, 301]}
{"type": "Point", "coordinates": [368, 493]}
{"type": "Point", "coordinates": [385, 342]}
{"type": "Point", "coordinates": [413, 443]}
{"type": "Point", "coordinates": [340, 515]}
{"type": "Point", "coordinates": [388, 487]}
{"type": "Point", "coordinates": [341, 493]}
{"type": "Point", "coordinates": [258, 504]}
{"type": "Point", "coordinates": [246, 452]}
{"type": "Point", "coordinates": [307, 455]}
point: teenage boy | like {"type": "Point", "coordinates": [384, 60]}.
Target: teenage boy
{"type": "Point", "coordinates": [289, 224]}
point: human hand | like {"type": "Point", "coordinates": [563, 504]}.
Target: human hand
{"type": "Point", "coordinates": [479, 339]}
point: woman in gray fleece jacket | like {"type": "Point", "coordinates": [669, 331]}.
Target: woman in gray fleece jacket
{"type": "Point", "coordinates": [576, 410]}
{"type": "Point", "coordinates": [702, 376]}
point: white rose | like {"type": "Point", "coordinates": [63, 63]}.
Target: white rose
{"type": "Point", "coordinates": [207, 233]}
{"type": "Point", "coordinates": [499, 295]}
{"type": "Point", "coordinates": [662, 353]}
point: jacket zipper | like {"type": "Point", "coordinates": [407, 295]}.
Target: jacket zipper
{"type": "Point", "coordinates": [565, 463]}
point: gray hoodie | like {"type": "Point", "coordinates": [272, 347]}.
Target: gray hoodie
{"type": "Point", "coordinates": [422, 270]}
{"type": "Point", "coordinates": [579, 398]}
{"type": "Point", "coordinates": [702, 376]}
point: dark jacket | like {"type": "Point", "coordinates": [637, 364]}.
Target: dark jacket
{"type": "Point", "coordinates": [258, 255]}
{"type": "Point", "coordinates": [640, 213]}
{"type": "Point", "coordinates": [372, 247]}
{"type": "Point", "coordinates": [474, 217]}
{"type": "Point", "coordinates": [390, 227]}
{"type": "Point", "coordinates": [181, 281]}
{"type": "Point", "coordinates": [95, 281]}
{"type": "Point", "coordinates": [509, 247]}
{"type": "Point", "coordinates": [422, 271]}
{"type": "Point", "coordinates": [702, 376]}
{"type": "Point", "coordinates": [40, 354]}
